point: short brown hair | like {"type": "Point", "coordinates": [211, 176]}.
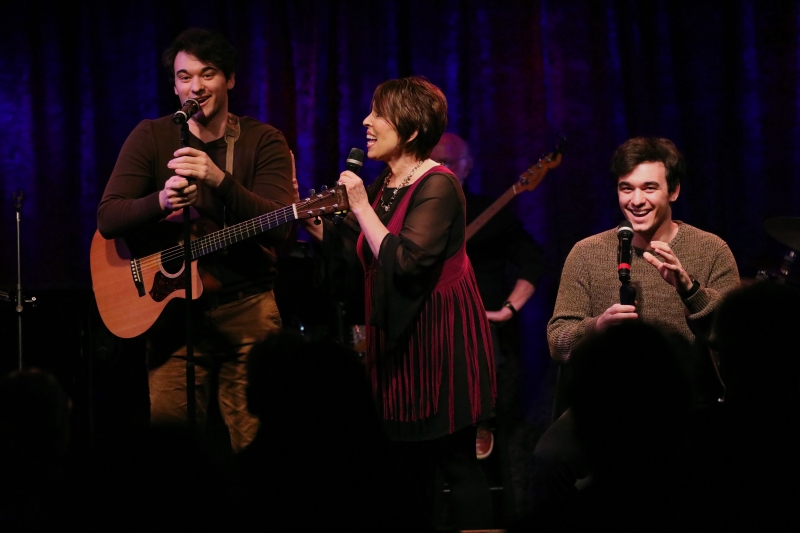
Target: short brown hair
{"type": "Point", "coordinates": [638, 150]}
{"type": "Point", "coordinates": [208, 46]}
{"type": "Point", "coordinates": [411, 105]}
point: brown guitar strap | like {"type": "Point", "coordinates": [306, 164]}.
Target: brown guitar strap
{"type": "Point", "coordinates": [232, 131]}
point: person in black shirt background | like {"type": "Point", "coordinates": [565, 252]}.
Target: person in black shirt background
{"type": "Point", "coordinates": [508, 265]}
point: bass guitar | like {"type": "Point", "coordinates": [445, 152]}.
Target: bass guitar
{"type": "Point", "coordinates": [131, 292]}
{"type": "Point", "coordinates": [528, 181]}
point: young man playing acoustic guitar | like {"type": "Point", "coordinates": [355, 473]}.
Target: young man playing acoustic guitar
{"type": "Point", "coordinates": [233, 169]}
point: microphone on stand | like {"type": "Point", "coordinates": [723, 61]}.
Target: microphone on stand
{"type": "Point", "coordinates": [189, 108]}
{"type": "Point", "coordinates": [627, 292]}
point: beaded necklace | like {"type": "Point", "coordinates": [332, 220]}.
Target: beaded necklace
{"type": "Point", "coordinates": [405, 182]}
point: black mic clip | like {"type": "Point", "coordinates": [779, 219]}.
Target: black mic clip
{"type": "Point", "coordinates": [19, 199]}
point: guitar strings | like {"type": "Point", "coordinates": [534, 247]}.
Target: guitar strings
{"type": "Point", "coordinates": [230, 235]}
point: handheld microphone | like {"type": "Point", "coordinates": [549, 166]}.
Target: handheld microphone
{"type": "Point", "coordinates": [190, 107]}
{"type": "Point", "coordinates": [355, 160]}
{"type": "Point", "coordinates": [625, 250]}
{"type": "Point", "coordinates": [353, 163]}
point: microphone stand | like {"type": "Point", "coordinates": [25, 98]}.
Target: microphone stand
{"type": "Point", "coordinates": [187, 272]}
{"type": "Point", "coordinates": [18, 298]}
{"type": "Point", "coordinates": [627, 292]}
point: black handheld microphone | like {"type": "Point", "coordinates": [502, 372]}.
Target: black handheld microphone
{"type": "Point", "coordinates": [625, 250]}
{"type": "Point", "coordinates": [353, 163]}
{"type": "Point", "coordinates": [190, 107]}
{"type": "Point", "coordinates": [355, 160]}
{"type": "Point", "coordinates": [627, 292]}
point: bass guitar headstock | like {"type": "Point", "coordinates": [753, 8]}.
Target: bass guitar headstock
{"type": "Point", "coordinates": [531, 178]}
{"type": "Point", "coordinates": [331, 201]}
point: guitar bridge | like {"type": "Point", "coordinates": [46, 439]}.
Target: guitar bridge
{"type": "Point", "coordinates": [136, 273]}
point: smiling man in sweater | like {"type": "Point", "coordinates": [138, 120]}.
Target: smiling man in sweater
{"type": "Point", "coordinates": [680, 274]}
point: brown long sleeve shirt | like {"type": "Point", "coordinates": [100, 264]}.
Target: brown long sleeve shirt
{"type": "Point", "coordinates": [261, 182]}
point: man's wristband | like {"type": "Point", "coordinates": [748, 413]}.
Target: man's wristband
{"type": "Point", "coordinates": [511, 307]}
{"type": "Point", "coordinates": [693, 289]}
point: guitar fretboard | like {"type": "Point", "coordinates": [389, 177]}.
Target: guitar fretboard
{"type": "Point", "coordinates": [233, 234]}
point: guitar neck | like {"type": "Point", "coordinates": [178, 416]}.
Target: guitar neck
{"type": "Point", "coordinates": [239, 232]}
{"type": "Point", "coordinates": [491, 211]}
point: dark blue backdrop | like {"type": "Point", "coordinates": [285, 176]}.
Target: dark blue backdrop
{"type": "Point", "coordinates": [719, 78]}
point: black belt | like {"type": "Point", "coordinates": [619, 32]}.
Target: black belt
{"type": "Point", "coordinates": [230, 297]}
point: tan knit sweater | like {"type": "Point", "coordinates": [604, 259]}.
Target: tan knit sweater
{"type": "Point", "coordinates": [590, 285]}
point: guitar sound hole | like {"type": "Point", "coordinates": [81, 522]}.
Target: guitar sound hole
{"type": "Point", "coordinates": [173, 266]}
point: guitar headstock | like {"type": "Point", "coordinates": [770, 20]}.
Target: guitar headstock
{"type": "Point", "coordinates": [326, 202]}
{"type": "Point", "coordinates": [529, 179]}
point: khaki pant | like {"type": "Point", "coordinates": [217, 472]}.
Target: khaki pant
{"type": "Point", "coordinates": [223, 337]}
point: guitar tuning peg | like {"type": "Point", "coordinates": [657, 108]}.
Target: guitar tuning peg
{"type": "Point", "coordinates": [311, 192]}
{"type": "Point", "coordinates": [317, 221]}
{"type": "Point", "coordinates": [324, 188]}
{"type": "Point", "coordinates": [337, 218]}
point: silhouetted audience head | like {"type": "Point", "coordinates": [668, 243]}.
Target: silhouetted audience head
{"type": "Point", "coordinates": [750, 461]}
{"type": "Point", "coordinates": [315, 384]}
{"type": "Point", "coordinates": [756, 335]}
{"type": "Point", "coordinates": [34, 415]}
{"type": "Point", "coordinates": [168, 480]}
{"type": "Point", "coordinates": [34, 435]}
{"type": "Point", "coordinates": [317, 460]}
{"type": "Point", "coordinates": [630, 397]}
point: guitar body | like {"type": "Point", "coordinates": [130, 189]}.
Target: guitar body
{"type": "Point", "coordinates": [130, 307]}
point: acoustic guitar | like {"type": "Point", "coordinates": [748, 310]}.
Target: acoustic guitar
{"type": "Point", "coordinates": [131, 292]}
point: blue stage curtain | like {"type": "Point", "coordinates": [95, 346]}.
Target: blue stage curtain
{"type": "Point", "coordinates": [720, 78]}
